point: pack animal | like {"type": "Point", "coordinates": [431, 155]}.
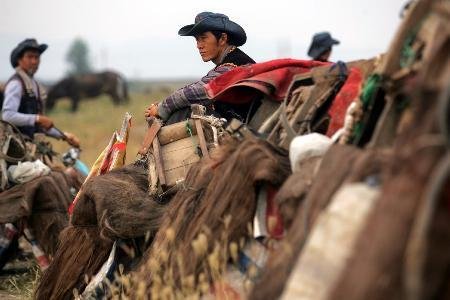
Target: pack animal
{"type": "Point", "coordinates": [89, 85]}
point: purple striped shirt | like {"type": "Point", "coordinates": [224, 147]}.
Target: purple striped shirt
{"type": "Point", "coordinates": [193, 93]}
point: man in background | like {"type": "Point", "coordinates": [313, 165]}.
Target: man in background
{"type": "Point", "coordinates": [23, 103]}
{"type": "Point", "coordinates": [321, 46]}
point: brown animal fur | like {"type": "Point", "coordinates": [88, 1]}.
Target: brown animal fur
{"type": "Point", "coordinates": [225, 186]}
{"type": "Point", "coordinates": [111, 206]}
{"type": "Point", "coordinates": [339, 164]}
{"type": "Point", "coordinates": [43, 202]}
{"type": "Point", "coordinates": [294, 190]}
{"type": "Point", "coordinates": [375, 269]}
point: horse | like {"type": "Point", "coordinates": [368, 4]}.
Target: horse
{"type": "Point", "coordinates": [87, 86]}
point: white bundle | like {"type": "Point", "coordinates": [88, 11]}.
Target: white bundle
{"type": "Point", "coordinates": [25, 171]}
{"type": "Point", "coordinates": [307, 146]}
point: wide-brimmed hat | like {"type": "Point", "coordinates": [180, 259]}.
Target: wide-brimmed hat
{"type": "Point", "coordinates": [321, 42]}
{"type": "Point", "coordinates": [208, 21]}
{"type": "Point", "coordinates": [26, 45]}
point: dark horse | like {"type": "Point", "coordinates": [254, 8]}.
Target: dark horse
{"type": "Point", "coordinates": [87, 86]}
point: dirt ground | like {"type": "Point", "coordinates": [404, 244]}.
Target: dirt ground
{"type": "Point", "coordinates": [18, 277]}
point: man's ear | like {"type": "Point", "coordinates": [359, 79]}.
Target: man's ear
{"type": "Point", "coordinates": [223, 38]}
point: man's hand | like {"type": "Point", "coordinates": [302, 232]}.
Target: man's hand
{"type": "Point", "coordinates": [151, 111]}
{"type": "Point", "coordinates": [72, 139]}
{"type": "Point", "coordinates": [44, 122]}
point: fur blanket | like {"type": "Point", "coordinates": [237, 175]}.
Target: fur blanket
{"type": "Point", "coordinates": [44, 202]}
{"type": "Point", "coordinates": [112, 206]}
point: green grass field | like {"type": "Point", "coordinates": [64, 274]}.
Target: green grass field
{"type": "Point", "coordinates": [93, 123]}
{"type": "Point", "coordinates": [98, 118]}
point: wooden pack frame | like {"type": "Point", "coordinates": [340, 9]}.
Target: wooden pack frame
{"type": "Point", "coordinates": [175, 148]}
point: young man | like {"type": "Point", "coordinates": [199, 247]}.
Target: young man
{"type": "Point", "coordinates": [320, 48]}
{"type": "Point", "coordinates": [217, 40]}
{"type": "Point", "coordinates": [23, 99]}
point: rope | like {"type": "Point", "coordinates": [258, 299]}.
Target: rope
{"type": "Point", "coordinates": [213, 121]}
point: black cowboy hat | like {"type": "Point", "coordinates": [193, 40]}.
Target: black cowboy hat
{"type": "Point", "coordinates": [208, 21]}
{"type": "Point", "coordinates": [26, 44]}
{"type": "Point", "coordinates": [321, 42]}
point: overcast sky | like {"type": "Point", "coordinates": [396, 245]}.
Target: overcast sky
{"type": "Point", "coordinates": [139, 37]}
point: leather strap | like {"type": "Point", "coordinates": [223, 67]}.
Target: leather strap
{"type": "Point", "coordinates": [284, 120]}
{"type": "Point", "coordinates": [152, 131]}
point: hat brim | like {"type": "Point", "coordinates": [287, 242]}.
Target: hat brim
{"type": "Point", "coordinates": [205, 25]}
{"type": "Point", "coordinates": [41, 48]}
{"type": "Point", "coordinates": [16, 53]}
{"type": "Point", "coordinates": [335, 42]}
{"type": "Point", "coordinates": [315, 51]}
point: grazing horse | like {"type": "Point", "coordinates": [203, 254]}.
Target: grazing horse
{"type": "Point", "coordinates": [88, 86]}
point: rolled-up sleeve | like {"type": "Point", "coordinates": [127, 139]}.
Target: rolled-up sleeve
{"type": "Point", "coordinates": [53, 132]}
{"type": "Point", "coordinates": [193, 93]}
{"type": "Point", "coordinates": [11, 103]}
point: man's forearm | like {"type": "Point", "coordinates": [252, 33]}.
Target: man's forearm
{"type": "Point", "coordinates": [54, 133]}
{"type": "Point", "coordinates": [184, 97]}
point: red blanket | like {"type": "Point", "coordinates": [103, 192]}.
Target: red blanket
{"type": "Point", "coordinates": [272, 78]}
{"type": "Point", "coordinates": [348, 92]}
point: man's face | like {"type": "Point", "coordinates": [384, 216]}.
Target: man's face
{"type": "Point", "coordinates": [209, 47]}
{"type": "Point", "coordinates": [29, 62]}
{"type": "Point", "coordinates": [325, 56]}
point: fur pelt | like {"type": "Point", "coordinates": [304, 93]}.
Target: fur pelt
{"type": "Point", "coordinates": [376, 270]}
{"type": "Point", "coordinates": [43, 202]}
{"type": "Point", "coordinates": [224, 186]}
{"type": "Point", "coordinates": [294, 190]}
{"type": "Point", "coordinates": [340, 164]}
{"type": "Point", "coordinates": [111, 206]}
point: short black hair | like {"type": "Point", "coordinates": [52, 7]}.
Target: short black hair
{"type": "Point", "coordinates": [230, 39]}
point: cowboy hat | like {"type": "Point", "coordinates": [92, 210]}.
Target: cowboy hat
{"type": "Point", "coordinates": [321, 42]}
{"type": "Point", "coordinates": [208, 21]}
{"type": "Point", "coordinates": [26, 44]}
